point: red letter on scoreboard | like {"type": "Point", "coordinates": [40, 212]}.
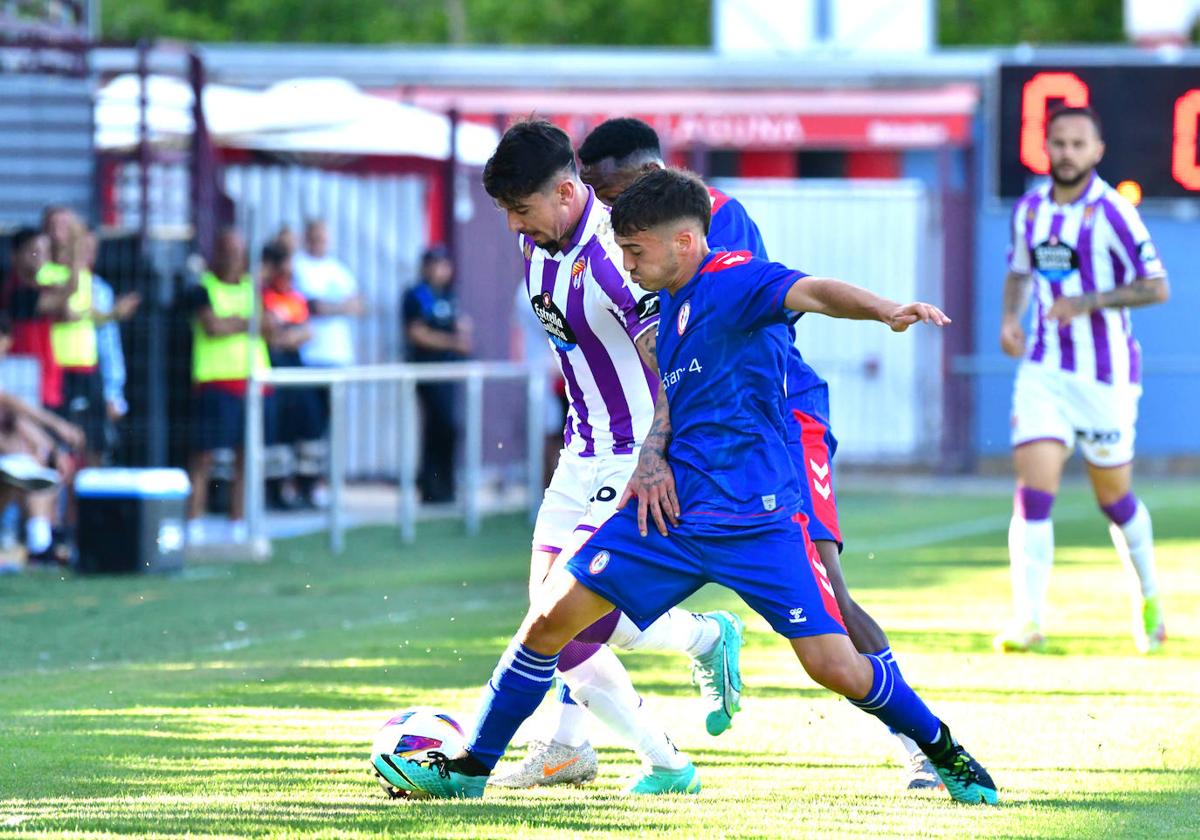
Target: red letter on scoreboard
{"type": "Point", "coordinates": [1035, 99]}
{"type": "Point", "coordinates": [1184, 167]}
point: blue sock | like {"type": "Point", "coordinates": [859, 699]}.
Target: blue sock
{"type": "Point", "coordinates": [520, 681]}
{"type": "Point", "coordinates": [896, 704]}
{"type": "Point", "coordinates": [889, 659]}
{"type": "Point", "coordinates": [564, 695]}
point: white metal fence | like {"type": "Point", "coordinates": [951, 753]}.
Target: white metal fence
{"type": "Point", "coordinates": [885, 389]}
{"type": "Point", "coordinates": [401, 380]}
{"type": "Point", "coordinates": [377, 227]}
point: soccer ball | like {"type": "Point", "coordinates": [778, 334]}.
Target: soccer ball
{"type": "Point", "coordinates": [413, 733]}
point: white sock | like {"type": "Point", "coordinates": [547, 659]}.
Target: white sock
{"type": "Point", "coordinates": [1031, 555]}
{"type": "Point", "coordinates": [572, 724]}
{"type": "Point", "coordinates": [677, 629]}
{"type": "Point", "coordinates": [37, 534]}
{"type": "Point", "coordinates": [602, 685]}
{"type": "Point", "coordinates": [1134, 542]}
{"type": "Point", "coordinates": [910, 746]}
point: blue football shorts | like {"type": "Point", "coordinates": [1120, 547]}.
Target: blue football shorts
{"type": "Point", "coordinates": [646, 576]}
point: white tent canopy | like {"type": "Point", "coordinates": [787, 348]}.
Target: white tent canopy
{"type": "Point", "coordinates": [299, 116]}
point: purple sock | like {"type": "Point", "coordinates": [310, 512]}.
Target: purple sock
{"type": "Point", "coordinates": [1032, 505]}
{"type": "Point", "coordinates": [1122, 510]}
{"type": "Point", "coordinates": [601, 630]}
{"type": "Point", "coordinates": [576, 653]}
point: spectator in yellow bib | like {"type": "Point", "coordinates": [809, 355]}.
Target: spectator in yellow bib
{"type": "Point", "coordinates": [223, 354]}
{"type": "Point", "coordinates": [73, 334]}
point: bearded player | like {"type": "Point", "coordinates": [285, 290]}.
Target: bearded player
{"type": "Point", "coordinates": [1089, 259]}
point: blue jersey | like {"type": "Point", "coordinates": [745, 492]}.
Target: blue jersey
{"type": "Point", "coordinates": [722, 352]}
{"type": "Point", "coordinates": [732, 229]}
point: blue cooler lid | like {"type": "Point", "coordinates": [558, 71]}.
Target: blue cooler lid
{"type": "Point", "coordinates": [110, 482]}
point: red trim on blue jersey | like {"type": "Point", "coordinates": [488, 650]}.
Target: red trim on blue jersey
{"type": "Point", "coordinates": [718, 199]}
{"type": "Point", "coordinates": [727, 259]}
{"type": "Point", "coordinates": [817, 471]}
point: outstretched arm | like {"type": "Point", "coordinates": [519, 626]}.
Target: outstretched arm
{"type": "Point", "coordinates": [653, 482]}
{"type": "Point", "coordinates": [838, 299]}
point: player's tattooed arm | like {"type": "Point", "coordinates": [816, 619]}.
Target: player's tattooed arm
{"type": "Point", "coordinates": [653, 482]}
{"type": "Point", "coordinates": [1016, 298]}
{"type": "Point", "coordinates": [1016, 294]}
{"type": "Point", "coordinates": [1144, 292]}
{"type": "Point", "coordinates": [647, 347]}
{"type": "Point", "coordinates": [660, 430]}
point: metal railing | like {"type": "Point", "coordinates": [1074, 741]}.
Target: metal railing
{"type": "Point", "coordinates": [406, 376]}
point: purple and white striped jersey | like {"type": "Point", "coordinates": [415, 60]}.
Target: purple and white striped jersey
{"type": "Point", "coordinates": [592, 313]}
{"type": "Point", "coordinates": [1095, 244]}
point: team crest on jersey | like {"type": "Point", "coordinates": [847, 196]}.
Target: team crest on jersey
{"type": "Point", "coordinates": [685, 312]}
{"type": "Point", "coordinates": [527, 250]}
{"type": "Point", "coordinates": [1089, 213]}
{"type": "Point", "coordinates": [577, 268]}
{"type": "Point", "coordinates": [1055, 260]}
{"type": "Point", "coordinates": [599, 562]}
{"type": "Point", "coordinates": [553, 322]}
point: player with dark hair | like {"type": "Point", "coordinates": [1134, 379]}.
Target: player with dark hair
{"type": "Point", "coordinates": [619, 151]}
{"type": "Point", "coordinates": [601, 329]}
{"type": "Point", "coordinates": [614, 155]}
{"type": "Point", "coordinates": [1091, 260]}
{"type": "Point", "coordinates": [722, 348]}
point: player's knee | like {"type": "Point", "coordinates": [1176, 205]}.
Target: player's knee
{"type": "Point", "coordinates": [839, 672]}
{"type": "Point", "coordinates": [543, 631]}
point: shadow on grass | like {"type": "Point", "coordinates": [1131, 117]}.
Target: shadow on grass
{"type": "Point", "coordinates": [722, 809]}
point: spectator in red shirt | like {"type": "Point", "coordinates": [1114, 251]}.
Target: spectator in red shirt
{"type": "Point", "coordinates": [294, 464]}
{"type": "Point", "coordinates": [33, 309]}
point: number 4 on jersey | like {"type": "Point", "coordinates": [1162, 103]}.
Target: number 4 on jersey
{"type": "Point", "coordinates": [695, 366]}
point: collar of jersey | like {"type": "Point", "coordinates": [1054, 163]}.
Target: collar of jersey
{"type": "Point", "coordinates": [691, 284]}
{"type": "Point", "coordinates": [585, 226]}
{"type": "Point", "coordinates": [1084, 197]}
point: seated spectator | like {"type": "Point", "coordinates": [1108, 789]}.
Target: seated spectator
{"type": "Point", "coordinates": [223, 355]}
{"type": "Point", "coordinates": [35, 458]}
{"type": "Point", "coordinates": [436, 332]}
{"type": "Point", "coordinates": [299, 411]}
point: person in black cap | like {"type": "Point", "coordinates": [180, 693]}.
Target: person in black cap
{"type": "Point", "coordinates": [436, 332]}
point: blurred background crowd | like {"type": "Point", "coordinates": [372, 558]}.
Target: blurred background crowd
{"type": "Point", "coordinates": [193, 191]}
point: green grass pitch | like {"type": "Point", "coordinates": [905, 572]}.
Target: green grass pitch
{"type": "Point", "coordinates": [240, 700]}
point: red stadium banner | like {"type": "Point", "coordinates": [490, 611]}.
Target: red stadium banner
{"type": "Point", "coordinates": [758, 120]}
{"type": "Point", "coordinates": [792, 131]}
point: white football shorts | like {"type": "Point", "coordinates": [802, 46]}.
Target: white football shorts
{"type": "Point", "coordinates": [1050, 404]}
{"type": "Point", "coordinates": [582, 495]}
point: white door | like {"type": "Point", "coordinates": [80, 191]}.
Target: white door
{"type": "Point", "coordinates": [885, 389]}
